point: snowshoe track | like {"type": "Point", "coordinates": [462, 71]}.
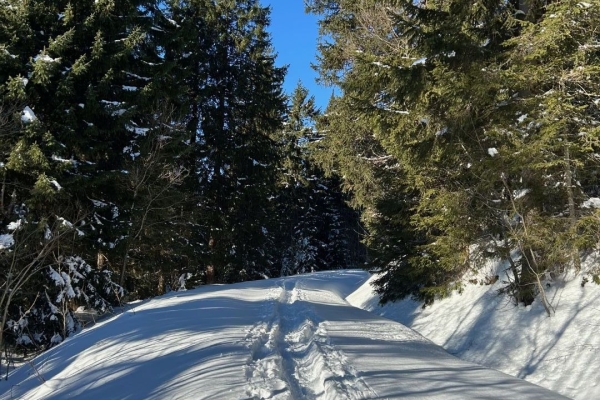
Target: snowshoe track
{"type": "Point", "coordinates": [291, 355]}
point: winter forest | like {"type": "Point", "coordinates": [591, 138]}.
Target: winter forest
{"type": "Point", "coordinates": [147, 145]}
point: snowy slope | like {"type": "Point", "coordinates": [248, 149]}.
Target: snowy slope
{"type": "Point", "coordinates": [561, 352]}
{"type": "Point", "coordinates": [292, 338]}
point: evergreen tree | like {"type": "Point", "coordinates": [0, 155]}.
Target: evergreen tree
{"type": "Point", "coordinates": [481, 113]}
{"type": "Point", "coordinates": [319, 228]}
{"type": "Point", "coordinates": [549, 157]}
{"type": "Point", "coordinates": [81, 75]}
{"type": "Point", "coordinates": [230, 94]}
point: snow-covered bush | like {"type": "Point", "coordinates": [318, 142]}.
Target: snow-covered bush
{"type": "Point", "coordinates": [70, 283]}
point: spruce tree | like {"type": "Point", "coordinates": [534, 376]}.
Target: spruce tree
{"type": "Point", "coordinates": [549, 159]}
{"type": "Point", "coordinates": [318, 227]}
{"type": "Point", "coordinates": [488, 108]}
{"type": "Point", "coordinates": [81, 75]}
{"type": "Point", "coordinates": [231, 101]}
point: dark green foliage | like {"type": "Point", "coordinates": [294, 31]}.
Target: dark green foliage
{"type": "Point", "coordinates": [488, 116]}
{"type": "Point", "coordinates": [231, 103]}
{"type": "Point", "coordinates": [82, 78]}
{"type": "Point", "coordinates": [319, 230]}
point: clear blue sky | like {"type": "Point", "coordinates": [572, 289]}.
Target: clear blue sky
{"type": "Point", "coordinates": [294, 35]}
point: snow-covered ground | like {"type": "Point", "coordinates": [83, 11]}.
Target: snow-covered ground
{"type": "Point", "coordinates": [289, 338]}
{"type": "Point", "coordinates": [561, 352]}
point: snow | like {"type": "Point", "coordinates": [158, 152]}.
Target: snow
{"type": "Point", "coordinates": [287, 338]}
{"type": "Point", "coordinates": [442, 131]}
{"type": "Point", "coordinates": [56, 277]}
{"type": "Point", "coordinates": [137, 130]}
{"type": "Point", "coordinates": [420, 61]}
{"type": "Point", "coordinates": [6, 241]}
{"type": "Point", "coordinates": [111, 103]}
{"type": "Point", "coordinates": [380, 64]}
{"type": "Point", "coordinates": [522, 118]}
{"type": "Point", "coordinates": [592, 202]}
{"type": "Point", "coordinates": [144, 78]}
{"type": "Point", "coordinates": [56, 184]}
{"type": "Point", "coordinates": [71, 161]}
{"type": "Point", "coordinates": [14, 225]}
{"type": "Point", "coordinates": [517, 194]}
{"type": "Point", "coordinates": [492, 151]}
{"type": "Point", "coordinates": [173, 22]}
{"type": "Point", "coordinates": [45, 58]}
{"type": "Point", "coordinates": [99, 203]}
{"type": "Point", "coordinates": [27, 115]}
{"type": "Point", "coordinates": [561, 353]}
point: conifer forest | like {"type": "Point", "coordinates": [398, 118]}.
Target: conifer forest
{"type": "Point", "coordinates": [147, 145]}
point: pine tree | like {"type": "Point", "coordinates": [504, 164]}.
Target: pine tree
{"type": "Point", "coordinates": [317, 224]}
{"type": "Point", "coordinates": [412, 81]}
{"type": "Point", "coordinates": [549, 160]}
{"type": "Point", "coordinates": [232, 104]}
{"type": "Point", "coordinates": [81, 75]}
{"type": "Point", "coordinates": [377, 187]}
{"type": "Point", "coordinates": [483, 106]}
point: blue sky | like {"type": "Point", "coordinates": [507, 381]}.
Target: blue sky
{"type": "Point", "coordinates": [294, 36]}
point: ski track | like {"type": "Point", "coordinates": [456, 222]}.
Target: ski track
{"type": "Point", "coordinates": [291, 354]}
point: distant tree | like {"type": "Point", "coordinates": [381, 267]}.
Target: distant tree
{"type": "Point", "coordinates": [319, 228]}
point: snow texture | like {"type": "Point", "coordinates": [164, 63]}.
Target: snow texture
{"type": "Point", "coordinates": [6, 241]}
{"type": "Point", "coordinates": [288, 338]}
{"type": "Point", "coordinates": [56, 184]}
{"type": "Point", "coordinates": [45, 58]}
{"type": "Point", "coordinates": [561, 353]}
{"type": "Point", "coordinates": [593, 202]}
{"type": "Point", "coordinates": [137, 130]}
{"type": "Point", "coordinates": [492, 151]}
{"type": "Point", "coordinates": [27, 115]}
{"type": "Point", "coordinates": [517, 194]}
{"type": "Point", "coordinates": [14, 225]}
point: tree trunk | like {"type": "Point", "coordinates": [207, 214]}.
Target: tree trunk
{"type": "Point", "coordinates": [571, 201]}
{"type": "Point", "coordinates": [124, 267]}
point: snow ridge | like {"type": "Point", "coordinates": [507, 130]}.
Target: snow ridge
{"type": "Point", "coordinates": [292, 355]}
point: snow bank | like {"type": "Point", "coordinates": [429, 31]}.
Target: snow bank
{"type": "Point", "coordinates": [561, 353]}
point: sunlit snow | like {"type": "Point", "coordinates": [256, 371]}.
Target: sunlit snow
{"type": "Point", "coordinates": [288, 338]}
{"type": "Point", "coordinates": [561, 352]}
{"type": "Point", "coordinates": [27, 115]}
{"type": "Point", "coordinates": [592, 202]}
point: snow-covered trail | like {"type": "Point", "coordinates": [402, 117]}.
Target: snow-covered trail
{"type": "Point", "coordinates": [289, 338]}
{"type": "Point", "coordinates": [292, 355]}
